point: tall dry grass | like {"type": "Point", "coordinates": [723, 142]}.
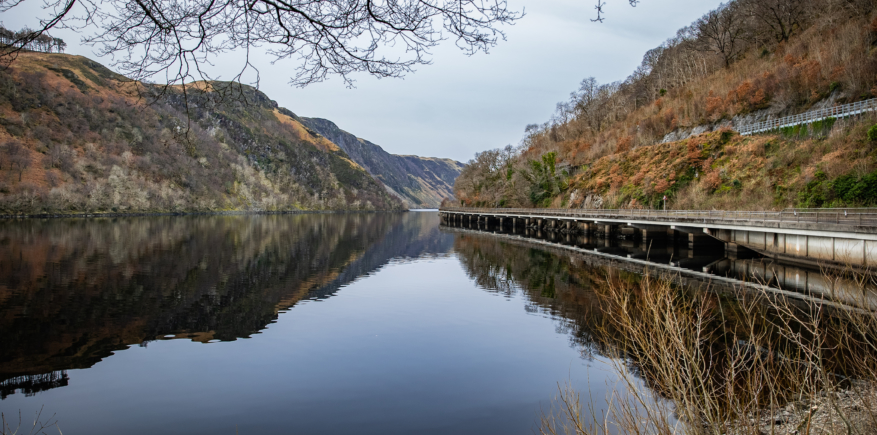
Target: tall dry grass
{"type": "Point", "coordinates": [39, 425]}
{"type": "Point", "coordinates": [698, 362]}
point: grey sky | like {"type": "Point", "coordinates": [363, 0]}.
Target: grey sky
{"type": "Point", "coordinates": [460, 105]}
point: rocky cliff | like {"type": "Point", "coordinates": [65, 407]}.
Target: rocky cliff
{"type": "Point", "coordinates": [421, 182]}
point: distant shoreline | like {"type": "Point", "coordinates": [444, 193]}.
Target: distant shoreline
{"type": "Point", "coordinates": [186, 213]}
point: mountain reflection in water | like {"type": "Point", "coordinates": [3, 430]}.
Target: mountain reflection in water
{"type": "Point", "coordinates": [73, 291]}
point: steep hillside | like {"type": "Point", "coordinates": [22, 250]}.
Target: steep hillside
{"type": "Point", "coordinates": [76, 137]}
{"type": "Point", "coordinates": [725, 171]}
{"type": "Point", "coordinates": [631, 142]}
{"type": "Point", "coordinates": [419, 181]}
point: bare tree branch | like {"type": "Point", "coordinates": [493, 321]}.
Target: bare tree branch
{"type": "Point", "coordinates": [174, 40]}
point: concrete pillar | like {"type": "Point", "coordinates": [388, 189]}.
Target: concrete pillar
{"type": "Point", "coordinates": [653, 235]}
{"type": "Point", "coordinates": [701, 240]}
{"type": "Point", "coordinates": [735, 251]}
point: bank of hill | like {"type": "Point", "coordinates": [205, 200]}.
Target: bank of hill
{"type": "Point", "coordinates": [670, 128]}
{"type": "Point", "coordinates": [77, 138]}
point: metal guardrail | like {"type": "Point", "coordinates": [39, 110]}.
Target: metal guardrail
{"type": "Point", "coordinates": [862, 217]}
{"type": "Point", "coordinates": [842, 111]}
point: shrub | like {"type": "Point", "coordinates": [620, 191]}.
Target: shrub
{"type": "Point", "coordinates": [872, 133]}
{"type": "Point", "coordinates": [842, 191]}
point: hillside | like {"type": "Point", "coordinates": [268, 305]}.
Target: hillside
{"type": "Point", "coordinates": [668, 129]}
{"type": "Point", "coordinates": [422, 182]}
{"type": "Point", "coordinates": [77, 138]}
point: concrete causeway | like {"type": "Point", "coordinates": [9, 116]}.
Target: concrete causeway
{"type": "Point", "coordinates": [837, 237]}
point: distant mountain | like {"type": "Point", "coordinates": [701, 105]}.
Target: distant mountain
{"type": "Point", "coordinates": [77, 138]}
{"type": "Point", "coordinates": [419, 181]}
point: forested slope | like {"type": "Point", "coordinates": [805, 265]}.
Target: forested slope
{"type": "Point", "coordinates": [76, 137]}
{"type": "Point", "coordinates": [668, 129]}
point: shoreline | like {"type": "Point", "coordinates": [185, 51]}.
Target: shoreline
{"type": "Point", "coordinates": [186, 213]}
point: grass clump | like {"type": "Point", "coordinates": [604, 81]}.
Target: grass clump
{"type": "Point", "coordinates": [694, 362]}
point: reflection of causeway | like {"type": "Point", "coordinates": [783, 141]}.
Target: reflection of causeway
{"type": "Point", "coordinates": [74, 291]}
{"type": "Point", "coordinates": [569, 279]}
{"type": "Point", "coordinates": [698, 264]}
{"type": "Point", "coordinates": [33, 384]}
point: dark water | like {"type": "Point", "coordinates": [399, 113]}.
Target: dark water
{"type": "Point", "coordinates": [365, 323]}
{"type": "Point", "coordinates": [339, 324]}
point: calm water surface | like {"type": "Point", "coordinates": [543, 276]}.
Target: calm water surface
{"type": "Point", "coordinates": [331, 324]}
{"type": "Point", "coordinates": [366, 323]}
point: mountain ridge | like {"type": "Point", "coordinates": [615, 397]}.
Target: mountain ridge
{"type": "Point", "coordinates": [76, 138]}
{"type": "Point", "coordinates": [433, 177]}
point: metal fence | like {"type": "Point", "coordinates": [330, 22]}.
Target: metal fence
{"type": "Point", "coordinates": [810, 117]}
{"type": "Point", "coordinates": [864, 217]}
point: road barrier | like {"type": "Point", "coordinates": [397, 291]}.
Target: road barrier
{"type": "Point", "coordinates": [810, 117]}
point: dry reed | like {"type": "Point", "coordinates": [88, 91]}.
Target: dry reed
{"type": "Point", "coordinates": [698, 362]}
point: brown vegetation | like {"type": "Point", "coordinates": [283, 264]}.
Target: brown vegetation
{"type": "Point", "coordinates": [77, 138]}
{"type": "Point", "coordinates": [746, 60]}
{"type": "Point", "coordinates": [736, 364]}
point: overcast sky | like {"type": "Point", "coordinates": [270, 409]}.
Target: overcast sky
{"type": "Point", "coordinates": [460, 105]}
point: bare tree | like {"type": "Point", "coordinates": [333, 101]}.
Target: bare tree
{"type": "Point", "coordinates": [781, 17]}
{"type": "Point", "coordinates": [586, 96]}
{"type": "Point", "coordinates": [723, 31]}
{"type": "Point", "coordinates": [17, 155]}
{"type": "Point", "coordinates": [175, 41]}
{"type": "Point", "coordinates": [592, 102]}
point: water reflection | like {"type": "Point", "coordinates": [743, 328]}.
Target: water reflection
{"type": "Point", "coordinates": [583, 293]}
{"type": "Point", "coordinates": [74, 291]}
{"type": "Point", "coordinates": [701, 259]}
{"type": "Point", "coordinates": [470, 343]}
{"type": "Point", "coordinates": [556, 285]}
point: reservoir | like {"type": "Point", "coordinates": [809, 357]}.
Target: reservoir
{"type": "Point", "coordinates": [316, 323]}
